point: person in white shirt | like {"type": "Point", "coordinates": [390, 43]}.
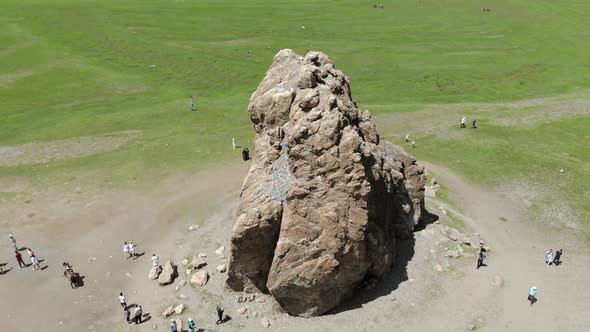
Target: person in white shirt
{"type": "Point", "coordinates": [463, 120]}
{"type": "Point", "coordinates": [155, 260]}
{"type": "Point", "coordinates": [137, 314]}
{"type": "Point", "coordinates": [123, 301]}
{"type": "Point", "coordinates": [126, 250]}
{"type": "Point", "coordinates": [131, 249]}
{"type": "Point", "coordinates": [234, 144]}
{"type": "Point", "coordinates": [407, 137]}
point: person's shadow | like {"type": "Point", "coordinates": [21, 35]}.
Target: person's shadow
{"type": "Point", "coordinates": [138, 255]}
{"type": "Point", "coordinates": [533, 301]}
{"type": "Point", "coordinates": [5, 271]}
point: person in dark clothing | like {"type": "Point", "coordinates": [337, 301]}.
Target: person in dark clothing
{"type": "Point", "coordinates": [127, 315]}
{"type": "Point", "coordinates": [219, 315]}
{"type": "Point", "coordinates": [473, 125]}
{"type": "Point", "coordinates": [19, 259]}
{"type": "Point", "coordinates": [480, 259]}
{"type": "Point", "coordinates": [245, 154]}
{"type": "Point", "coordinates": [557, 260]}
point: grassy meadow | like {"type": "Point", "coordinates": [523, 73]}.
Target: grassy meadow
{"type": "Point", "coordinates": [71, 68]}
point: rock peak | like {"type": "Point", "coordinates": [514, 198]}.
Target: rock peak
{"type": "Point", "coordinates": [325, 198]}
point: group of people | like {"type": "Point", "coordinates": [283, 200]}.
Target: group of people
{"type": "Point", "coordinates": [129, 249]}
{"type": "Point", "coordinates": [408, 140]}
{"type": "Point", "coordinates": [464, 120]}
{"type": "Point", "coordinates": [19, 256]}
{"type": "Point", "coordinates": [553, 258]}
{"type": "Point", "coordinates": [137, 317]}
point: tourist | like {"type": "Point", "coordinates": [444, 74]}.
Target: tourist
{"type": "Point", "coordinates": [34, 260]}
{"type": "Point", "coordinates": [137, 314]}
{"type": "Point", "coordinates": [192, 105]}
{"type": "Point", "coordinates": [480, 259]}
{"type": "Point", "coordinates": [19, 259]}
{"type": "Point", "coordinates": [414, 144]}
{"type": "Point", "coordinates": [557, 259]}
{"type": "Point", "coordinates": [131, 249]}
{"type": "Point", "coordinates": [549, 257]}
{"type": "Point", "coordinates": [245, 154]}
{"type": "Point", "coordinates": [463, 120]}
{"type": "Point", "coordinates": [155, 260]}
{"type": "Point", "coordinates": [173, 326]}
{"type": "Point", "coordinates": [191, 325]}
{"type": "Point", "coordinates": [532, 294]}
{"type": "Point", "coordinates": [127, 315]}
{"type": "Point", "coordinates": [233, 143]}
{"type": "Point", "coordinates": [126, 250]}
{"type": "Point", "coordinates": [407, 137]}
{"type": "Point", "coordinates": [473, 125]}
{"type": "Point", "coordinates": [219, 315]}
{"type": "Point", "coordinates": [13, 240]}
{"type": "Point", "coordinates": [122, 301]}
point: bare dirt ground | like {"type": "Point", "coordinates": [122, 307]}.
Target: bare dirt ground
{"type": "Point", "coordinates": [426, 291]}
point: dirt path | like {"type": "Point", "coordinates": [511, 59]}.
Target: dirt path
{"type": "Point", "coordinates": [517, 255]}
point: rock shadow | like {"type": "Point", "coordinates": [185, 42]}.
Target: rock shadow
{"type": "Point", "coordinates": [366, 292]}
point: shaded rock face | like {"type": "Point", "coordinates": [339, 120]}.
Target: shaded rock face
{"type": "Point", "coordinates": [325, 198]}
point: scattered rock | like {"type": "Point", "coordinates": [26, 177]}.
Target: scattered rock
{"type": "Point", "coordinates": [155, 326]}
{"type": "Point", "coordinates": [188, 272]}
{"type": "Point", "coordinates": [193, 227]}
{"type": "Point", "coordinates": [439, 268]}
{"type": "Point", "coordinates": [203, 255]}
{"type": "Point", "coordinates": [221, 268]}
{"type": "Point", "coordinates": [183, 296]}
{"type": "Point", "coordinates": [260, 300]}
{"type": "Point", "coordinates": [154, 273]}
{"type": "Point", "coordinates": [184, 262]}
{"type": "Point", "coordinates": [198, 263]}
{"type": "Point", "coordinates": [453, 254]}
{"type": "Point", "coordinates": [251, 297]}
{"type": "Point", "coordinates": [561, 170]}
{"type": "Point", "coordinates": [220, 251]}
{"type": "Point", "coordinates": [179, 309]}
{"type": "Point", "coordinates": [168, 311]}
{"type": "Point", "coordinates": [498, 281]}
{"type": "Point", "coordinates": [128, 275]}
{"type": "Point", "coordinates": [91, 259]}
{"type": "Point", "coordinates": [264, 322]}
{"type": "Point", "coordinates": [471, 327]}
{"type": "Point", "coordinates": [200, 278]}
{"type": "Point", "coordinates": [242, 310]}
{"type": "Point", "coordinates": [317, 151]}
{"type": "Point", "coordinates": [168, 273]}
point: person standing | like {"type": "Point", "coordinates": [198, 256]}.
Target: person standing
{"type": "Point", "coordinates": [173, 326]}
{"type": "Point", "coordinates": [137, 315]}
{"type": "Point", "coordinates": [407, 137]}
{"type": "Point", "coordinates": [155, 260]}
{"type": "Point", "coordinates": [549, 257]}
{"type": "Point", "coordinates": [474, 125]}
{"type": "Point", "coordinates": [532, 294]}
{"type": "Point", "coordinates": [219, 315]}
{"type": "Point", "coordinates": [192, 106]}
{"type": "Point", "coordinates": [557, 259]}
{"type": "Point", "coordinates": [122, 301]}
{"type": "Point", "coordinates": [34, 260]}
{"type": "Point", "coordinates": [13, 240]}
{"type": "Point", "coordinates": [19, 259]}
{"type": "Point", "coordinates": [131, 249]}
{"type": "Point", "coordinates": [480, 259]}
{"type": "Point", "coordinates": [234, 144]}
{"type": "Point", "coordinates": [127, 315]}
{"type": "Point", "coordinates": [126, 250]}
{"type": "Point", "coordinates": [191, 325]}
{"type": "Point", "coordinates": [463, 120]}
{"type": "Point", "coordinates": [414, 144]}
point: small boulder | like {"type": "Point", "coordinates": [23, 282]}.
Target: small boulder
{"type": "Point", "coordinates": [198, 263]}
{"type": "Point", "coordinates": [154, 273]}
{"type": "Point", "coordinates": [498, 281]}
{"type": "Point", "coordinates": [193, 227]}
{"type": "Point", "coordinates": [179, 309]}
{"type": "Point", "coordinates": [183, 296]}
{"type": "Point", "coordinates": [184, 262]}
{"type": "Point", "coordinates": [220, 251]}
{"type": "Point", "coordinates": [168, 311]}
{"type": "Point", "coordinates": [200, 278]}
{"type": "Point", "coordinates": [168, 274]}
{"type": "Point", "coordinates": [242, 310]}
{"type": "Point", "coordinates": [221, 268]}
{"type": "Point", "coordinates": [453, 254]}
{"type": "Point", "coordinates": [203, 255]}
{"type": "Point", "coordinates": [264, 322]}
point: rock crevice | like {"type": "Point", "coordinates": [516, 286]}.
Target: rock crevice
{"type": "Point", "coordinates": [325, 198]}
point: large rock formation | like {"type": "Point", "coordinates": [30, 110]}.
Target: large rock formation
{"type": "Point", "coordinates": [325, 197]}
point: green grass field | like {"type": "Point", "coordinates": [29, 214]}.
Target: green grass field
{"type": "Point", "coordinates": [72, 68]}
